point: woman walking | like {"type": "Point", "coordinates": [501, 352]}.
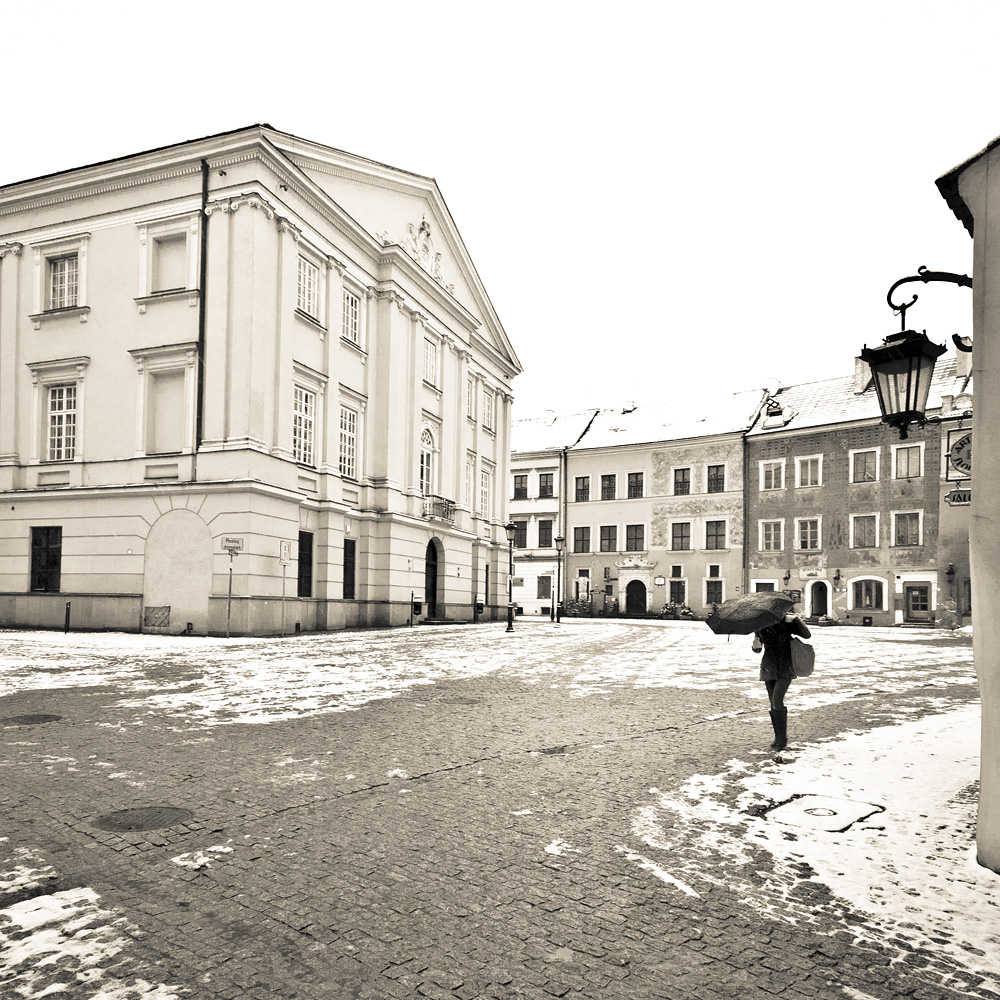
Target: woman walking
{"type": "Point", "coordinates": [776, 669]}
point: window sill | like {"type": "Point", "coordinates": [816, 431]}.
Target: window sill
{"type": "Point", "coordinates": [311, 321]}
{"type": "Point", "coordinates": [168, 295]}
{"type": "Point", "coordinates": [709, 551]}
{"type": "Point", "coordinates": [354, 346]}
{"type": "Point", "coordinates": [50, 314]}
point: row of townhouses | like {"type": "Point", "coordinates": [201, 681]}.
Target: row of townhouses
{"type": "Point", "coordinates": [248, 384]}
{"type": "Point", "coordinates": [801, 488]}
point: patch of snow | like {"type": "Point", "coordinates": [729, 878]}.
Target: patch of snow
{"type": "Point", "coordinates": [650, 866]}
{"type": "Point", "coordinates": [560, 847]}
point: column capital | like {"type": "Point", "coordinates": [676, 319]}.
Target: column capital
{"type": "Point", "coordinates": [14, 249]}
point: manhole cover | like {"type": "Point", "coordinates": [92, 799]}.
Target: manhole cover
{"type": "Point", "coordinates": [29, 720]}
{"type": "Point", "coordinates": [820, 812]}
{"type": "Point", "coordinates": [148, 818]}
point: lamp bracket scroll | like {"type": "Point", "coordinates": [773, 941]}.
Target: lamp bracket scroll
{"type": "Point", "coordinates": [925, 276]}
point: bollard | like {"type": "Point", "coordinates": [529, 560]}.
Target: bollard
{"type": "Point", "coordinates": [66, 624]}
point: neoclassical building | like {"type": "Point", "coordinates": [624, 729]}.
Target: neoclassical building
{"type": "Point", "coordinates": [248, 384]}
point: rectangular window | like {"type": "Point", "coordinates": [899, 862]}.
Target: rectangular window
{"type": "Point", "coordinates": [907, 462]}
{"type": "Point", "coordinates": [170, 262]}
{"type": "Point", "coordinates": [166, 413]}
{"type": "Point", "coordinates": [62, 423]}
{"type": "Point", "coordinates": [489, 409]}
{"type": "Point", "coordinates": [676, 571]}
{"type": "Point", "coordinates": [303, 425]}
{"type": "Point", "coordinates": [713, 591]}
{"type": "Point", "coordinates": [907, 529]}
{"type": "Point", "coordinates": [609, 487]}
{"type": "Point", "coordinates": [807, 532]}
{"type": "Point", "coordinates": [521, 487]}
{"type": "Point", "coordinates": [868, 594]}
{"type": "Point", "coordinates": [348, 442]}
{"type": "Point", "coordinates": [430, 362]}
{"type": "Point", "coordinates": [682, 482]}
{"type": "Point", "coordinates": [520, 534]}
{"type": "Point", "coordinates": [771, 533]}
{"type": "Point", "coordinates": [545, 486]}
{"type": "Point", "coordinates": [544, 591]}
{"type": "Point", "coordinates": [772, 475]}
{"type": "Point", "coordinates": [582, 489]}
{"type": "Point", "coordinates": [635, 537]}
{"type": "Point", "coordinates": [305, 564]}
{"type": "Point", "coordinates": [350, 571]}
{"type": "Point", "coordinates": [545, 534]}
{"type": "Point", "coordinates": [581, 539]}
{"type": "Point", "coordinates": [864, 467]}
{"type": "Point", "coordinates": [678, 591]}
{"type": "Point", "coordinates": [351, 324]}
{"type": "Point", "coordinates": [680, 536]}
{"type": "Point", "coordinates": [716, 479]}
{"type": "Point", "coordinates": [609, 538]}
{"type": "Point", "coordinates": [307, 297]}
{"type": "Point", "coordinates": [46, 558]}
{"type": "Point", "coordinates": [64, 285]}
{"type": "Point", "coordinates": [809, 470]}
{"type": "Point", "coordinates": [635, 485]}
{"type": "Point", "coordinates": [485, 489]}
{"type": "Point", "coordinates": [714, 570]}
{"type": "Point", "coordinates": [715, 534]}
{"type": "Point", "coordinates": [864, 531]}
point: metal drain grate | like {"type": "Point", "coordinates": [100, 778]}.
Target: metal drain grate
{"type": "Point", "coordinates": [29, 720]}
{"type": "Point", "coordinates": [147, 818]}
{"type": "Point", "coordinates": [156, 617]}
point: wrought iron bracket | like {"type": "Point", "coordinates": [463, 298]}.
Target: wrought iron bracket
{"type": "Point", "coordinates": [925, 276]}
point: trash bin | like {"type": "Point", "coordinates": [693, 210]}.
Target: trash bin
{"type": "Point", "coordinates": [866, 619]}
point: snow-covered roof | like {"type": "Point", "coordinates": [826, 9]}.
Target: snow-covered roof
{"type": "Point", "coordinates": [551, 432]}
{"type": "Point", "coordinates": [834, 401]}
{"type": "Point", "coordinates": [669, 422]}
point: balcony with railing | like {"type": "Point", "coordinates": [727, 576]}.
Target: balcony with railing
{"type": "Point", "coordinates": [439, 508]}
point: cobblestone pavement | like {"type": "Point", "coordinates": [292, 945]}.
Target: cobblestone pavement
{"type": "Point", "coordinates": [430, 813]}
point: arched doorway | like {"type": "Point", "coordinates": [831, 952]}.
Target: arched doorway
{"type": "Point", "coordinates": [635, 598]}
{"type": "Point", "coordinates": [177, 573]}
{"type": "Point", "coordinates": [819, 603]}
{"type": "Point", "coordinates": [431, 577]}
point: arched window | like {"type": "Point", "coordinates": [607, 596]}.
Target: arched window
{"type": "Point", "coordinates": [426, 463]}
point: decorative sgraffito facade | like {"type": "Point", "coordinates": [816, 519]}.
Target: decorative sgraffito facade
{"type": "Point", "coordinates": [206, 344]}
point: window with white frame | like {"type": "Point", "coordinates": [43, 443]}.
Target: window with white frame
{"type": "Point", "coordinates": [868, 594]}
{"type": "Point", "coordinates": [864, 531]}
{"type": "Point", "coordinates": [489, 409]}
{"type": "Point", "coordinates": [60, 277]}
{"type": "Point", "coordinates": [715, 534]}
{"type": "Point", "coordinates": [809, 470]}
{"type": "Point", "coordinates": [426, 463]}
{"type": "Point", "coordinates": [485, 492]}
{"type": "Point", "coordinates": [168, 258]}
{"type": "Point", "coordinates": [771, 536]}
{"type": "Point", "coordinates": [307, 295]}
{"type": "Point", "coordinates": [57, 414]}
{"type": "Point", "coordinates": [907, 527]}
{"type": "Point", "coordinates": [470, 398]}
{"type": "Point", "coordinates": [165, 419]}
{"type": "Point", "coordinates": [715, 479]}
{"type": "Point", "coordinates": [807, 533]}
{"type": "Point", "coordinates": [430, 361]}
{"type": "Point", "coordinates": [772, 474]}
{"type": "Point", "coordinates": [635, 537]}
{"type": "Point", "coordinates": [908, 461]}
{"type": "Point", "coordinates": [864, 465]}
{"type": "Point", "coordinates": [350, 328]}
{"type": "Point", "coordinates": [714, 592]}
{"type": "Point", "coordinates": [303, 424]}
{"type": "Point", "coordinates": [61, 446]}
{"type": "Point", "coordinates": [348, 461]}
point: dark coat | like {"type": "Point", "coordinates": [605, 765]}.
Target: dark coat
{"type": "Point", "coordinates": [776, 662]}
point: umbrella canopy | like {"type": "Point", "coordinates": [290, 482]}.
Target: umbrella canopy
{"type": "Point", "coordinates": [749, 613]}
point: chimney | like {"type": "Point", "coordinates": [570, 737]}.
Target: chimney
{"type": "Point", "coordinates": [862, 376]}
{"type": "Point", "coordinates": [963, 359]}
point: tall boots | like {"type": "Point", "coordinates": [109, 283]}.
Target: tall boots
{"type": "Point", "coordinates": [779, 720]}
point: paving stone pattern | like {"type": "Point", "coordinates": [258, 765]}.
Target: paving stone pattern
{"type": "Point", "coordinates": [405, 850]}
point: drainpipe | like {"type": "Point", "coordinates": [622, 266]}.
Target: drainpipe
{"type": "Point", "coordinates": [746, 514]}
{"type": "Point", "coordinates": [564, 528]}
{"type": "Point", "coordinates": [202, 310]}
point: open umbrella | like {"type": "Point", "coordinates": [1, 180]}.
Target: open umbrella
{"type": "Point", "coordinates": [749, 613]}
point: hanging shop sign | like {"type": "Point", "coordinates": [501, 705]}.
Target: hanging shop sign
{"type": "Point", "coordinates": [959, 454]}
{"type": "Point", "coordinates": [960, 496]}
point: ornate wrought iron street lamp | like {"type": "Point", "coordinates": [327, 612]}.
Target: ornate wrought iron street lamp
{"type": "Point", "coordinates": [511, 529]}
{"type": "Point", "coordinates": [560, 545]}
{"type": "Point", "coordinates": [904, 365]}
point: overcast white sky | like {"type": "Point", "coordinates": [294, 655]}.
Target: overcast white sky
{"type": "Point", "coordinates": [664, 200]}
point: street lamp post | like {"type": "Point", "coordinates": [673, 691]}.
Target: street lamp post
{"type": "Point", "coordinates": [560, 543]}
{"type": "Point", "coordinates": [510, 528]}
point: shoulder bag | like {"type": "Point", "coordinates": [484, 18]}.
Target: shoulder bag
{"type": "Point", "coordinates": [803, 657]}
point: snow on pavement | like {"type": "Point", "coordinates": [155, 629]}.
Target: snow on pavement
{"type": "Point", "coordinates": [909, 867]}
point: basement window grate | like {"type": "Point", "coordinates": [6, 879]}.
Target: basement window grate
{"type": "Point", "coordinates": [156, 617]}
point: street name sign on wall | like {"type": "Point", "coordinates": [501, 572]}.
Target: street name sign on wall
{"type": "Point", "coordinates": [232, 544]}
